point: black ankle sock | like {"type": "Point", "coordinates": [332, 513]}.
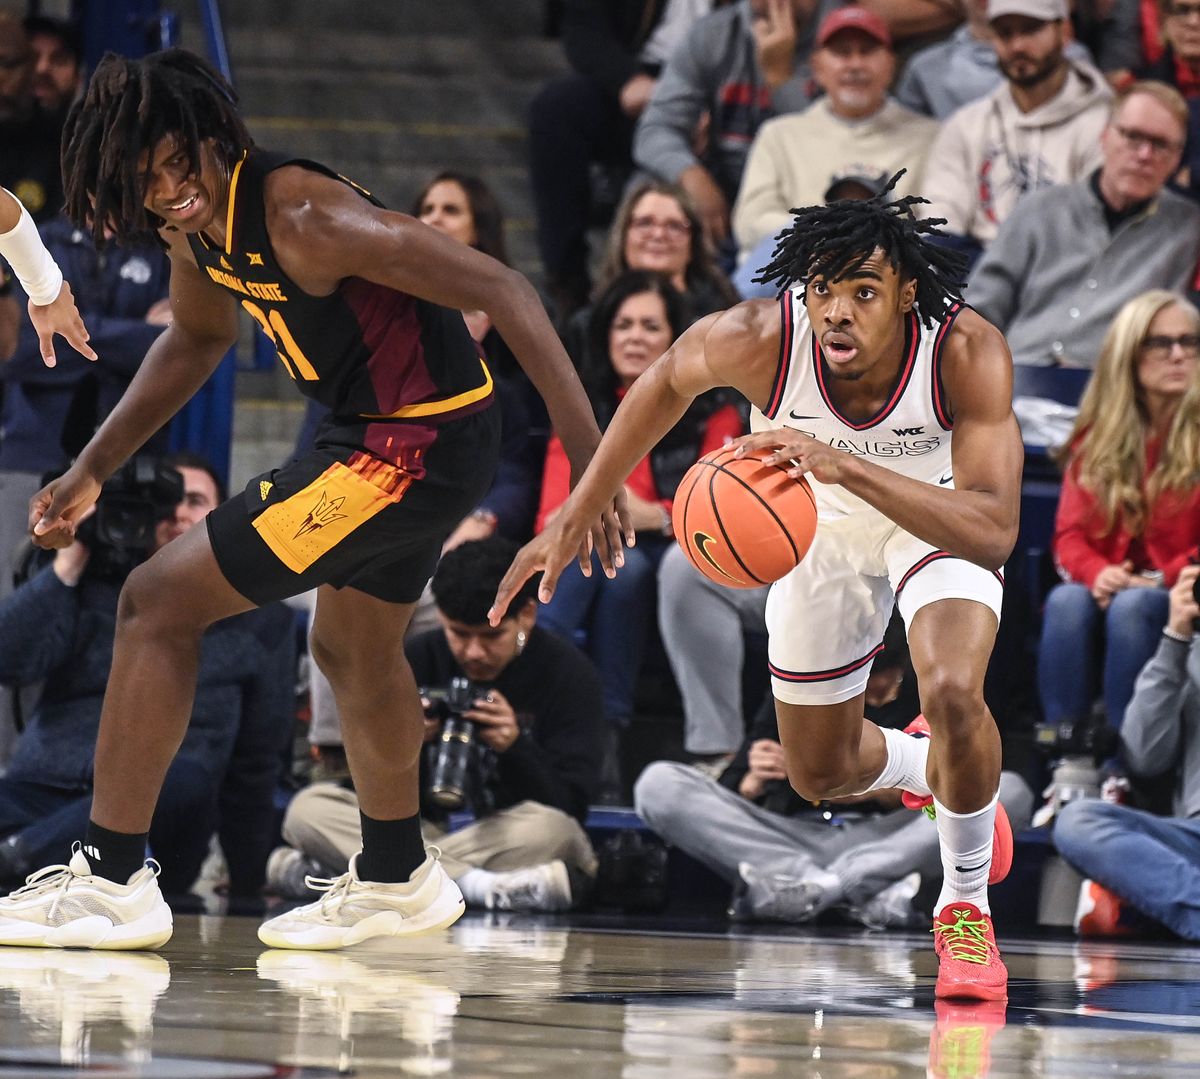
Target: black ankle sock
{"type": "Point", "coordinates": [392, 849]}
{"type": "Point", "coordinates": [115, 856]}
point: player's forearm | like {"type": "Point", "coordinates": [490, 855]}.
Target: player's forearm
{"type": "Point", "coordinates": [649, 410]}
{"type": "Point", "coordinates": [526, 329]}
{"type": "Point", "coordinates": [176, 366]}
{"type": "Point", "coordinates": [980, 526]}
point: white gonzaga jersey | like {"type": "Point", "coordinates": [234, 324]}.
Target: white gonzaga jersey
{"type": "Point", "coordinates": [910, 434]}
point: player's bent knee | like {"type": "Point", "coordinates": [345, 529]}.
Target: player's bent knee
{"type": "Point", "coordinates": [817, 784]}
{"type": "Point", "coordinates": [148, 604]}
{"type": "Point", "coordinates": [950, 694]}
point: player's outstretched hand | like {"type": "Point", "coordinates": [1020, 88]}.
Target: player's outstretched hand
{"type": "Point", "coordinates": [61, 317]}
{"type": "Point", "coordinates": [609, 537]}
{"type": "Point", "coordinates": [551, 551]}
{"type": "Point", "coordinates": [796, 452]}
{"type": "Point", "coordinates": [58, 508]}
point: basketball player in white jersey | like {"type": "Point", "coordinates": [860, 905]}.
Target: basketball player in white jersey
{"type": "Point", "coordinates": [871, 379]}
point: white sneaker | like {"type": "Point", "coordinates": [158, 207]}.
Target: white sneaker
{"type": "Point", "coordinates": [353, 910]}
{"type": "Point", "coordinates": [545, 887]}
{"type": "Point", "coordinates": [67, 906]}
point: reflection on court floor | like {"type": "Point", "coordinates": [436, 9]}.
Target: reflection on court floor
{"type": "Point", "coordinates": [506, 994]}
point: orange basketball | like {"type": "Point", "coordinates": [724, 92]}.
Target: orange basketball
{"type": "Point", "coordinates": [741, 522]}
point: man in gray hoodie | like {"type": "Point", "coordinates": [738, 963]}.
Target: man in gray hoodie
{"type": "Point", "coordinates": [739, 66]}
{"type": "Point", "coordinates": [1040, 126]}
{"type": "Point", "coordinates": [1152, 863]}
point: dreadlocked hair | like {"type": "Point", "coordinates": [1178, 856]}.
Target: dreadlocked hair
{"type": "Point", "coordinates": [129, 107]}
{"type": "Point", "coordinates": [833, 241]}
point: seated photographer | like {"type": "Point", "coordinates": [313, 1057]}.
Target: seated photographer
{"type": "Point", "coordinates": [790, 860]}
{"type": "Point", "coordinates": [533, 712]}
{"type": "Point", "coordinates": [1132, 858]}
{"type": "Point", "coordinates": [58, 625]}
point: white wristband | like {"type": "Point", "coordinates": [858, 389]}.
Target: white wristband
{"type": "Point", "coordinates": [38, 273]}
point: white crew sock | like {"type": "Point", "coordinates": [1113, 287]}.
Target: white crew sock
{"type": "Point", "coordinates": [475, 885]}
{"type": "Point", "coordinates": [907, 756]}
{"type": "Point", "coordinates": [966, 846]}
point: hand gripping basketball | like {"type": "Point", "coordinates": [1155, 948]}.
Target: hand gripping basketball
{"type": "Point", "coordinates": [743, 522]}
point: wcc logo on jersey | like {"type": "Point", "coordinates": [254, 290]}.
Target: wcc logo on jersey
{"type": "Point", "coordinates": [907, 442]}
{"type": "Point", "coordinates": [325, 512]}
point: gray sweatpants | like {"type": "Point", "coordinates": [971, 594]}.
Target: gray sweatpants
{"type": "Point", "coordinates": [322, 822]}
{"type": "Point", "coordinates": [721, 829]}
{"type": "Point", "coordinates": [700, 620]}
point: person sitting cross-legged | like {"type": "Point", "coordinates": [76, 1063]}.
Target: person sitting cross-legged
{"type": "Point", "coordinates": [535, 713]}
{"type": "Point", "coordinates": [790, 860]}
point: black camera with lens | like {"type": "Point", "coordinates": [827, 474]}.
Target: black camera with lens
{"type": "Point", "coordinates": [453, 769]}
{"type": "Point", "coordinates": [1092, 736]}
{"type": "Point", "coordinates": [120, 534]}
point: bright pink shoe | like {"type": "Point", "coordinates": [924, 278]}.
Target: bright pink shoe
{"type": "Point", "coordinates": [1002, 836]}
{"type": "Point", "coordinates": [960, 1043]}
{"type": "Point", "coordinates": [1102, 913]}
{"type": "Point", "coordinates": [969, 963]}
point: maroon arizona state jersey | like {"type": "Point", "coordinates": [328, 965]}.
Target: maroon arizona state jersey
{"type": "Point", "coordinates": [367, 352]}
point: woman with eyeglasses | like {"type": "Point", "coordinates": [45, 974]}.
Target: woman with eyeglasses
{"type": "Point", "coordinates": [635, 320]}
{"type": "Point", "coordinates": [657, 228]}
{"type": "Point", "coordinates": [1129, 512]}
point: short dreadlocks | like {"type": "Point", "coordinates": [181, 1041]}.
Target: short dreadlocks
{"type": "Point", "coordinates": [833, 241]}
{"type": "Point", "coordinates": [130, 105]}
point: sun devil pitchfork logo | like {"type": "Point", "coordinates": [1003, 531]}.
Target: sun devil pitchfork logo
{"type": "Point", "coordinates": [325, 512]}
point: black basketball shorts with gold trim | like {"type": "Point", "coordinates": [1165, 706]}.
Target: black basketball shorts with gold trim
{"type": "Point", "coordinates": [343, 516]}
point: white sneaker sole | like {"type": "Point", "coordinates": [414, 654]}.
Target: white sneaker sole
{"type": "Point", "coordinates": [386, 923]}
{"type": "Point", "coordinates": [146, 933]}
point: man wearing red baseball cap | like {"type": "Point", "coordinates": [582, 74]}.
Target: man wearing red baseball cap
{"type": "Point", "coordinates": [854, 129]}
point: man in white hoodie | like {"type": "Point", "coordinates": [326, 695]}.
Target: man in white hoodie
{"type": "Point", "coordinates": [1040, 127]}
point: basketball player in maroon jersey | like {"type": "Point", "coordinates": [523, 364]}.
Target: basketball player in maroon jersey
{"type": "Point", "coordinates": [857, 378]}
{"type": "Point", "coordinates": [363, 307]}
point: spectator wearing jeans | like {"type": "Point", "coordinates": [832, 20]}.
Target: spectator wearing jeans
{"type": "Point", "coordinates": [1129, 513]}
{"type": "Point", "coordinates": [633, 324]}
{"type": "Point", "coordinates": [1131, 857]}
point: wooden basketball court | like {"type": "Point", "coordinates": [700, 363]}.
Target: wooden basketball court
{"type": "Point", "coordinates": [518, 995]}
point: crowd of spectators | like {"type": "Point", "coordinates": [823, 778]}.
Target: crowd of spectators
{"type": "Point", "coordinates": [1060, 144]}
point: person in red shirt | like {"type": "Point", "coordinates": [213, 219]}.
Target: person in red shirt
{"type": "Point", "coordinates": [1129, 513]}
{"type": "Point", "coordinates": [633, 322]}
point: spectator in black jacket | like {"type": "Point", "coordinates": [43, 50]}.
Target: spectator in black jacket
{"type": "Point", "coordinates": [58, 626]}
{"type": "Point", "coordinates": [585, 118]}
{"type": "Point", "coordinates": [535, 708]}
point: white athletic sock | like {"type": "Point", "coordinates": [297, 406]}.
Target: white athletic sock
{"type": "Point", "coordinates": [475, 885]}
{"type": "Point", "coordinates": [966, 846]}
{"type": "Point", "coordinates": [907, 757]}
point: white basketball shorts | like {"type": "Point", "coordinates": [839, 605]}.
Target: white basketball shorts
{"type": "Point", "coordinates": [826, 619]}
